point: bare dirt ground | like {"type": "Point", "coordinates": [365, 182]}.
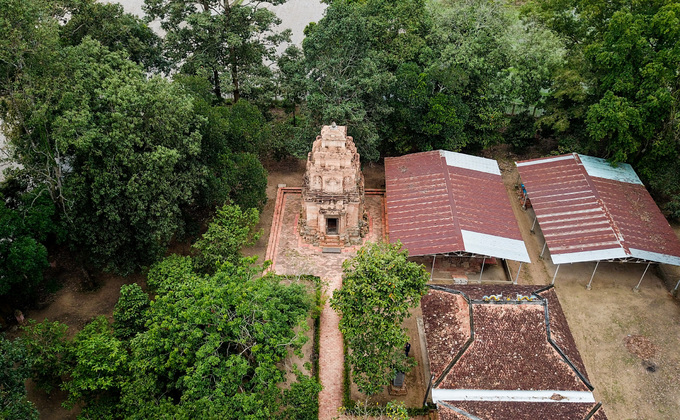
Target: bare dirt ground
{"type": "Point", "coordinates": [288, 172]}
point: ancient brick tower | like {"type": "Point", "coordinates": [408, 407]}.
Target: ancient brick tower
{"type": "Point", "coordinates": [333, 191]}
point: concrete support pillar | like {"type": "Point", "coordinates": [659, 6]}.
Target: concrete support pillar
{"type": "Point", "coordinates": [636, 288]}
{"type": "Point", "coordinates": [432, 271]}
{"type": "Point", "coordinates": [518, 270]}
{"type": "Point", "coordinates": [482, 270]}
{"type": "Point", "coordinates": [555, 275]}
{"type": "Point", "coordinates": [591, 277]}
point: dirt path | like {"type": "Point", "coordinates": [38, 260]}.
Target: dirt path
{"type": "Point", "coordinates": [533, 273]}
{"type": "Point", "coordinates": [331, 358]}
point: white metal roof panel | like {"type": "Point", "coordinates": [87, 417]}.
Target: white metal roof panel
{"type": "Point", "coordinates": [513, 395]}
{"type": "Point", "coordinates": [543, 161]}
{"type": "Point", "coordinates": [600, 168]}
{"type": "Point", "coordinates": [655, 256]}
{"type": "Point", "coordinates": [585, 256]}
{"type": "Point", "coordinates": [474, 163]}
{"type": "Point", "coordinates": [495, 246]}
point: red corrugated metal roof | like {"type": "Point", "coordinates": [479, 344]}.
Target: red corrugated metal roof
{"type": "Point", "coordinates": [437, 201]}
{"type": "Point", "coordinates": [590, 211]}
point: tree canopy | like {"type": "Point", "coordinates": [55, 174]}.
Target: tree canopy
{"type": "Point", "coordinates": [230, 230]}
{"type": "Point", "coordinates": [215, 344]}
{"type": "Point", "coordinates": [25, 222]}
{"type": "Point", "coordinates": [112, 27]}
{"type": "Point", "coordinates": [379, 287]}
{"type": "Point", "coordinates": [411, 75]}
{"type": "Point", "coordinates": [210, 342]}
{"type": "Point", "coordinates": [209, 345]}
{"type": "Point", "coordinates": [221, 39]}
{"type": "Point", "coordinates": [121, 153]}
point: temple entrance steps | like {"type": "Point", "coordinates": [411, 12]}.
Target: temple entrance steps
{"type": "Point", "coordinates": [332, 242]}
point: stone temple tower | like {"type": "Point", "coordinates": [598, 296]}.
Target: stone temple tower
{"type": "Point", "coordinates": [333, 191]}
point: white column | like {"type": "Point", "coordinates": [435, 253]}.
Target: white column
{"type": "Point", "coordinates": [432, 271]}
{"type": "Point", "coordinates": [593, 275]}
{"type": "Point", "coordinates": [482, 270]}
{"type": "Point", "coordinates": [518, 270]}
{"type": "Point", "coordinates": [507, 267]}
{"type": "Point", "coordinates": [636, 288]}
{"type": "Point", "coordinates": [555, 275]}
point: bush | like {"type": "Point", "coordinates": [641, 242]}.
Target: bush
{"type": "Point", "coordinates": [15, 368]}
{"type": "Point", "coordinates": [230, 230]}
{"type": "Point", "coordinates": [99, 363]}
{"type": "Point", "coordinates": [129, 313]}
{"type": "Point", "coordinates": [47, 347]}
{"type": "Point", "coordinates": [379, 287]}
{"type": "Point", "coordinates": [302, 399]}
{"type": "Point", "coordinates": [249, 187]}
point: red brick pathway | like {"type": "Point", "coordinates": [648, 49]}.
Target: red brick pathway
{"type": "Point", "coordinates": [331, 359]}
{"type": "Point", "coordinates": [290, 255]}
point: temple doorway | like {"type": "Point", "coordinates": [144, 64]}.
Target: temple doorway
{"type": "Point", "coordinates": [332, 226]}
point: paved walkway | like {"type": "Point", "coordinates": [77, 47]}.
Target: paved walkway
{"type": "Point", "coordinates": [331, 358]}
{"type": "Point", "coordinates": [292, 256]}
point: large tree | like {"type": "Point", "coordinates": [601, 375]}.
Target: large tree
{"type": "Point", "coordinates": [29, 38]}
{"type": "Point", "coordinates": [116, 150]}
{"type": "Point", "coordinates": [215, 345]}
{"type": "Point", "coordinates": [232, 139]}
{"type": "Point", "coordinates": [379, 287]}
{"type": "Point", "coordinates": [206, 346]}
{"type": "Point", "coordinates": [484, 58]}
{"type": "Point", "coordinates": [351, 55]}
{"type": "Point", "coordinates": [235, 38]}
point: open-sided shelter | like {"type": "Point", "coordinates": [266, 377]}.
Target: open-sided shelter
{"type": "Point", "coordinates": [589, 210]}
{"type": "Point", "coordinates": [446, 203]}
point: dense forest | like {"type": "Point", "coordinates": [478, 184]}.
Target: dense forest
{"type": "Point", "coordinates": [123, 140]}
